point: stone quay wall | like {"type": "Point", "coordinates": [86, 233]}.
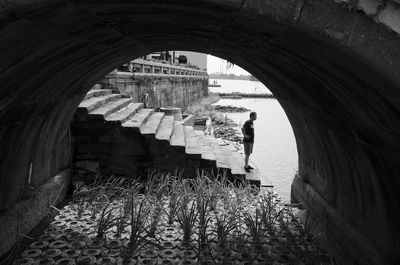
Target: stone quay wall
{"type": "Point", "coordinates": [157, 91]}
{"type": "Point", "coordinates": [109, 148]}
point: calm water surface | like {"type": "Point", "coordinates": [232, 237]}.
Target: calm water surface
{"type": "Point", "coordinates": [275, 151]}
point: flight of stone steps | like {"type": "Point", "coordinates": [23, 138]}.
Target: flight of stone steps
{"type": "Point", "coordinates": [125, 138]}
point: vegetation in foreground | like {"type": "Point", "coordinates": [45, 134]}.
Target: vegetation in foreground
{"type": "Point", "coordinates": [172, 220]}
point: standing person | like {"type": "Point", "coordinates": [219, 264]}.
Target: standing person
{"type": "Point", "coordinates": [248, 140]}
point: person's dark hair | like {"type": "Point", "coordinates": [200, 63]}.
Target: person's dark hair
{"type": "Point", "coordinates": [252, 114]}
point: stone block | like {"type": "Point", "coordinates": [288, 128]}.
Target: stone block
{"type": "Point", "coordinates": [158, 147]}
{"type": "Point", "coordinates": [128, 148]}
{"type": "Point", "coordinates": [23, 216]}
{"type": "Point", "coordinates": [370, 7]}
{"type": "Point", "coordinates": [189, 120]}
{"type": "Point", "coordinates": [93, 148]}
{"type": "Point", "coordinates": [98, 126]}
{"type": "Point", "coordinates": [390, 16]}
{"type": "Point", "coordinates": [85, 156]}
{"type": "Point", "coordinates": [87, 165]}
{"type": "Point", "coordinates": [105, 139]}
{"type": "Point", "coordinates": [104, 157]}
{"type": "Point", "coordinates": [122, 169]}
{"type": "Point", "coordinates": [83, 139]}
{"type": "Point", "coordinates": [341, 235]}
{"type": "Point", "coordinates": [81, 115]}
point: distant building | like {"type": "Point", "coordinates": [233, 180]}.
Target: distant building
{"type": "Point", "coordinates": [180, 57]}
{"type": "Point", "coordinates": [194, 58]}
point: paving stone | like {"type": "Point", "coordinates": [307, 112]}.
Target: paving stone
{"type": "Point", "coordinates": [138, 120]}
{"type": "Point", "coordinates": [152, 124]}
{"type": "Point", "coordinates": [125, 113]}
{"type": "Point", "coordinates": [165, 129]}
{"type": "Point", "coordinates": [113, 106]}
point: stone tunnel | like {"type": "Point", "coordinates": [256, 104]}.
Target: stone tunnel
{"type": "Point", "coordinates": [333, 66]}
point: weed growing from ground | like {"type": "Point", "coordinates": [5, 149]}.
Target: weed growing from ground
{"type": "Point", "coordinates": [230, 223]}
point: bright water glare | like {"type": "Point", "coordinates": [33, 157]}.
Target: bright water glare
{"type": "Point", "coordinates": [275, 151]}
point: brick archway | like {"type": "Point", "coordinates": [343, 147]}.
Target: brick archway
{"type": "Point", "coordinates": [334, 71]}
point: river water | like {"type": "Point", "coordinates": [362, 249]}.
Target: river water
{"type": "Point", "coordinates": [275, 151]}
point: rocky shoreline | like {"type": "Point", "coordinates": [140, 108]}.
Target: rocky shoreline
{"type": "Point", "coordinates": [229, 108]}
{"type": "Point", "coordinates": [224, 127]}
{"type": "Point", "coordinates": [213, 119]}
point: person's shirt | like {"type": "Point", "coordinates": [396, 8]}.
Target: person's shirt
{"type": "Point", "coordinates": [249, 130]}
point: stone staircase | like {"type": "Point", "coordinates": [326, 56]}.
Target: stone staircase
{"type": "Point", "coordinates": [125, 138]}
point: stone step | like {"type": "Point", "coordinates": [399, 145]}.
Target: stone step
{"type": "Point", "coordinates": [189, 131]}
{"type": "Point", "coordinates": [224, 153]}
{"type": "Point", "coordinates": [234, 159]}
{"type": "Point", "coordinates": [178, 135]}
{"type": "Point", "coordinates": [113, 106]}
{"type": "Point", "coordinates": [165, 129]}
{"type": "Point", "coordinates": [219, 153]}
{"type": "Point", "coordinates": [191, 142]}
{"type": "Point", "coordinates": [97, 93]}
{"type": "Point", "coordinates": [253, 178]}
{"type": "Point", "coordinates": [207, 152]}
{"type": "Point", "coordinates": [222, 162]}
{"type": "Point", "coordinates": [96, 102]}
{"type": "Point", "coordinates": [236, 163]}
{"type": "Point", "coordinates": [136, 122]}
{"type": "Point", "coordinates": [152, 124]}
{"type": "Point", "coordinates": [125, 113]}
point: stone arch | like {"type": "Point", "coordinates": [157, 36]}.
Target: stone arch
{"type": "Point", "coordinates": [333, 70]}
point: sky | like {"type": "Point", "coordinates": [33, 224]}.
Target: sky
{"type": "Point", "coordinates": [214, 65]}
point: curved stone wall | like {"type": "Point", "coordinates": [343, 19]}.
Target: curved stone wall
{"type": "Point", "coordinates": [334, 70]}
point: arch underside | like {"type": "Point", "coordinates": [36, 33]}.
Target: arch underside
{"type": "Point", "coordinates": [334, 72]}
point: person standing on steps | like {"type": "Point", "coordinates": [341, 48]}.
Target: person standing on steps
{"type": "Point", "coordinates": [248, 139]}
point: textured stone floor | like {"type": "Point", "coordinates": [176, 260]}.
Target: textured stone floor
{"type": "Point", "coordinates": [72, 238]}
